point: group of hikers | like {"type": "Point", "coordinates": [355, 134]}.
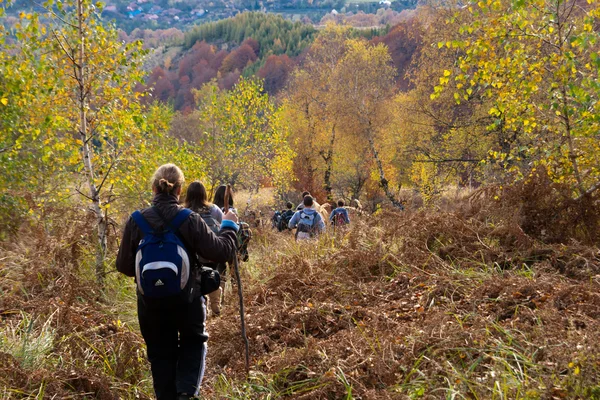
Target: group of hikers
{"type": "Point", "coordinates": [176, 254]}
{"type": "Point", "coordinates": [308, 217]}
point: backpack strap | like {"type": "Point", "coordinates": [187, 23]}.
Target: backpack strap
{"type": "Point", "coordinates": [181, 216]}
{"type": "Point", "coordinates": [141, 222]}
{"type": "Point", "coordinates": [174, 225]}
{"type": "Point", "coordinates": [316, 219]}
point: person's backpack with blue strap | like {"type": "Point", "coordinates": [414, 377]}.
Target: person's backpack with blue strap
{"type": "Point", "coordinates": [162, 265]}
{"type": "Point", "coordinates": [308, 223]}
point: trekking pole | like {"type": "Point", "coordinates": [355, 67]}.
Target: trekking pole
{"type": "Point", "coordinates": [240, 292]}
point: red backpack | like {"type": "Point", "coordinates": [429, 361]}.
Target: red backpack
{"type": "Point", "coordinates": [338, 219]}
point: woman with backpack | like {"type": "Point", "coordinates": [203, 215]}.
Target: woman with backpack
{"type": "Point", "coordinates": [158, 243]}
{"type": "Point", "coordinates": [244, 233]}
{"type": "Point", "coordinates": [219, 199]}
{"type": "Point", "coordinates": [196, 200]}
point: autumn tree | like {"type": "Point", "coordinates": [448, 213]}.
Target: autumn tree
{"type": "Point", "coordinates": [538, 63]}
{"type": "Point", "coordinates": [275, 72]}
{"type": "Point", "coordinates": [437, 140]}
{"type": "Point", "coordinates": [404, 42]}
{"type": "Point", "coordinates": [365, 78]}
{"type": "Point", "coordinates": [243, 137]}
{"type": "Point", "coordinates": [81, 118]}
{"type": "Point", "coordinates": [238, 59]}
{"type": "Point", "coordinates": [312, 97]}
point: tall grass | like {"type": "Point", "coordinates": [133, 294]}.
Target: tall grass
{"type": "Point", "coordinates": [29, 340]}
{"type": "Point", "coordinates": [429, 304]}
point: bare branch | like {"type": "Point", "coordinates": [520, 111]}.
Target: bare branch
{"type": "Point", "coordinates": [84, 195]}
{"type": "Point", "coordinates": [112, 164]}
{"type": "Point", "coordinates": [60, 43]}
{"type": "Point", "coordinates": [589, 192]}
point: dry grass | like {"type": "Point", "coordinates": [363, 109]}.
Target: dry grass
{"type": "Point", "coordinates": [60, 336]}
{"type": "Point", "coordinates": [461, 304]}
{"type": "Point", "coordinates": [414, 305]}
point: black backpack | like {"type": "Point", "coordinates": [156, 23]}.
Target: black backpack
{"type": "Point", "coordinates": [209, 220]}
{"type": "Point", "coordinates": [276, 220]}
{"type": "Point", "coordinates": [244, 235]}
{"type": "Point", "coordinates": [285, 220]}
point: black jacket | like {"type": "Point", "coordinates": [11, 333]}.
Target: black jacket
{"type": "Point", "coordinates": [218, 248]}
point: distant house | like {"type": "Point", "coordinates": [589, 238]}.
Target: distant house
{"type": "Point", "coordinates": [134, 13]}
{"type": "Point", "coordinates": [334, 12]}
{"type": "Point", "coordinates": [386, 3]}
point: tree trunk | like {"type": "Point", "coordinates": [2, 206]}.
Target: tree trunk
{"type": "Point", "coordinates": [383, 182]}
{"type": "Point", "coordinates": [86, 152]}
{"type": "Point", "coordinates": [329, 165]}
{"type": "Point", "coordinates": [307, 160]}
{"type": "Point", "coordinates": [572, 151]}
{"type": "Point", "coordinates": [562, 39]}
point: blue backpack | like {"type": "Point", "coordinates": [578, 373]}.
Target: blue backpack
{"type": "Point", "coordinates": [308, 222]}
{"type": "Point", "coordinates": [162, 265]}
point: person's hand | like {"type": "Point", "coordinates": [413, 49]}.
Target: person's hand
{"type": "Point", "coordinates": [231, 216]}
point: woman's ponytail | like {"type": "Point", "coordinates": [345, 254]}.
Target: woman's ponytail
{"type": "Point", "coordinates": [167, 179]}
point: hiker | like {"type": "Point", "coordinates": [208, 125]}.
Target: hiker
{"type": "Point", "coordinates": [308, 221]}
{"type": "Point", "coordinates": [301, 205]}
{"type": "Point", "coordinates": [244, 233]}
{"type": "Point", "coordinates": [339, 216]}
{"type": "Point", "coordinates": [316, 205]}
{"type": "Point", "coordinates": [196, 200]}
{"type": "Point", "coordinates": [219, 198]}
{"type": "Point", "coordinates": [325, 211]}
{"type": "Point", "coordinates": [286, 216]}
{"type": "Point", "coordinates": [157, 246]}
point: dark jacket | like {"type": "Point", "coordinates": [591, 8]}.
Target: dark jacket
{"type": "Point", "coordinates": [218, 248]}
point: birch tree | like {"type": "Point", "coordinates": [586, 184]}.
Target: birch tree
{"type": "Point", "coordinates": [73, 85]}
{"type": "Point", "coordinates": [365, 81]}
{"type": "Point", "coordinates": [538, 62]}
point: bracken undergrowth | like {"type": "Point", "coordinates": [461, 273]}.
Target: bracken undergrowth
{"type": "Point", "coordinates": [466, 302]}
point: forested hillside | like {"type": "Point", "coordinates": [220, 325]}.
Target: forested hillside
{"type": "Point", "coordinates": [273, 33]}
{"type": "Point", "coordinates": [248, 45]}
{"type": "Point", "coordinates": [463, 142]}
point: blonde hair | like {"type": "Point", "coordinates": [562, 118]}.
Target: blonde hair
{"type": "Point", "coordinates": [167, 178]}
